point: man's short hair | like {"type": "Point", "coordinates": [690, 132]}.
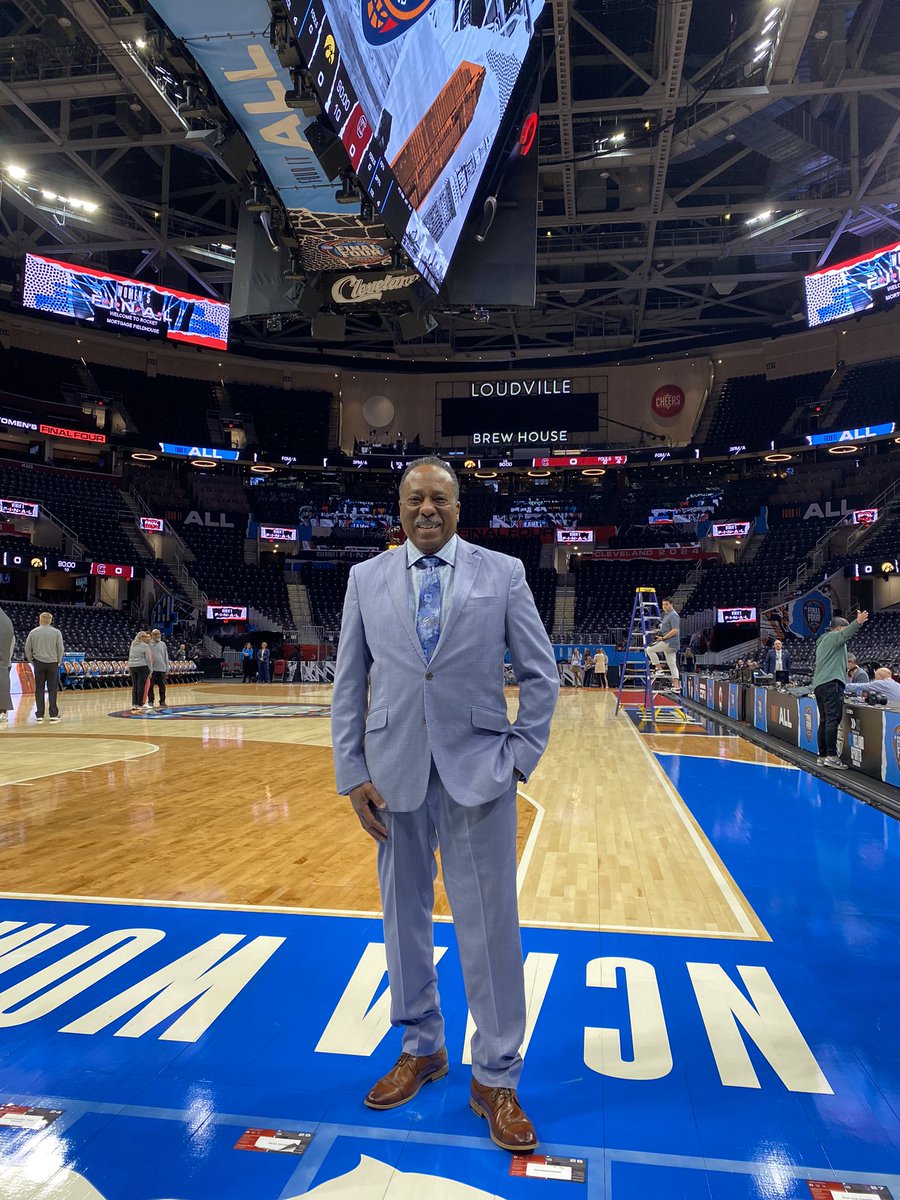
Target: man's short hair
{"type": "Point", "coordinates": [45, 618]}
{"type": "Point", "coordinates": [153, 631]}
{"type": "Point", "coordinates": [839, 623]}
{"type": "Point", "coordinates": [883, 673]}
{"type": "Point", "coordinates": [432, 460]}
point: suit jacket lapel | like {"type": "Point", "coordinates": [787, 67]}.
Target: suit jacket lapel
{"type": "Point", "coordinates": [468, 561]}
{"type": "Point", "coordinates": [395, 570]}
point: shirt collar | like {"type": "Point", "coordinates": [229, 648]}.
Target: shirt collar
{"type": "Point", "coordinates": [447, 552]}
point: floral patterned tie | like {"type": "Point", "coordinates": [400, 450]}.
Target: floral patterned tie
{"type": "Point", "coordinates": [428, 616]}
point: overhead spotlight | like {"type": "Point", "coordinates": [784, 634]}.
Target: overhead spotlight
{"type": "Point", "coordinates": [274, 323]}
{"type": "Point", "coordinates": [366, 211]}
{"type": "Point", "coordinates": [487, 218]}
{"type": "Point", "coordinates": [258, 200]}
{"type": "Point", "coordinates": [194, 102]}
{"type": "Point", "coordinates": [481, 315]}
{"type": "Point", "coordinates": [302, 96]}
{"type": "Point", "coordinates": [16, 172]}
{"type": "Point", "coordinates": [347, 194]}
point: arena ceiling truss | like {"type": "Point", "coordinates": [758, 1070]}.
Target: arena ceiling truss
{"type": "Point", "coordinates": [697, 158]}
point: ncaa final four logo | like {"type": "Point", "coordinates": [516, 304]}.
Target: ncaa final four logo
{"type": "Point", "coordinates": [384, 20]}
{"type": "Point", "coordinates": [814, 615]}
{"type": "Point", "coordinates": [808, 723]}
{"type": "Point", "coordinates": [897, 746]}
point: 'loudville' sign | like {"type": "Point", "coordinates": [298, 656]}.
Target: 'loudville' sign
{"type": "Point", "coordinates": [523, 411]}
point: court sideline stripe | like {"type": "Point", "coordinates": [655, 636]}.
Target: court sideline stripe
{"type": "Point", "coordinates": [725, 887]}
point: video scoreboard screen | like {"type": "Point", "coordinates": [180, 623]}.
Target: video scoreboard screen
{"type": "Point", "coordinates": [735, 616]}
{"type": "Point", "coordinates": [869, 281]}
{"type": "Point", "coordinates": [20, 508]}
{"type": "Point", "coordinates": [730, 529]}
{"type": "Point", "coordinates": [226, 612]}
{"type": "Point", "coordinates": [864, 516]}
{"type": "Point", "coordinates": [575, 537]}
{"type": "Point", "coordinates": [124, 305]}
{"type": "Point", "coordinates": [151, 524]}
{"type": "Point", "coordinates": [278, 533]}
{"type": "Point", "coordinates": [417, 93]}
{"type": "Point", "coordinates": [112, 570]}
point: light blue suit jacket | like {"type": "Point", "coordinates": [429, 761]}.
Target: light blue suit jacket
{"type": "Point", "coordinates": [392, 713]}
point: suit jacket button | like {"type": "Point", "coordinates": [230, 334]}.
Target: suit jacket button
{"type": "Point", "coordinates": [429, 675]}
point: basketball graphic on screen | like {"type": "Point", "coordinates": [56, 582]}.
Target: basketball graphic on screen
{"type": "Point", "coordinates": [387, 19]}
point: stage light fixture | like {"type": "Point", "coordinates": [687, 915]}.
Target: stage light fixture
{"type": "Point", "coordinates": [347, 193]}
{"type": "Point", "coordinates": [258, 200]}
{"type": "Point", "coordinates": [539, 474]}
{"type": "Point", "coordinates": [262, 469]}
{"type": "Point", "coordinates": [144, 456]}
{"type": "Point", "coordinates": [295, 268]}
{"type": "Point", "coordinates": [302, 96]}
{"type": "Point", "coordinates": [204, 464]}
{"type": "Point", "coordinates": [843, 449]}
{"type": "Point", "coordinates": [777, 458]}
{"type": "Point", "coordinates": [593, 471]}
{"type": "Point", "coordinates": [486, 474]}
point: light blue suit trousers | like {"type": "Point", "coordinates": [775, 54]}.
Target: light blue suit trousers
{"type": "Point", "coordinates": [480, 879]}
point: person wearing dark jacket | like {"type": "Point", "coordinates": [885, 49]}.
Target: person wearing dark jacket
{"type": "Point", "coordinates": [264, 664]}
{"type": "Point", "coordinates": [247, 662]}
{"type": "Point", "coordinates": [777, 662]}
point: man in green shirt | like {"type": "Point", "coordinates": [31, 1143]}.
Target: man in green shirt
{"type": "Point", "coordinates": [828, 685]}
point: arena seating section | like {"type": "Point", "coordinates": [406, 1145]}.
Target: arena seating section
{"type": "Point", "coordinates": [98, 632]}
{"type": "Point", "coordinates": [752, 409]}
{"type": "Point", "coordinates": [877, 642]}
{"type": "Point", "coordinates": [162, 409]}
{"type": "Point", "coordinates": [39, 376]}
{"type": "Point", "coordinates": [867, 395]}
{"type": "Point", "coordinates": [222, 574]}
{"type": "Point", "coordinates": [287, 423]}
{"type": "Point", "coordinates": [90, 506]}
{"type": "Point", "coordinates": [604, 591]}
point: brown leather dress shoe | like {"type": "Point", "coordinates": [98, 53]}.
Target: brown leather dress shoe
{"type": "Point", "coordinates": [406, 1077]}
{"type": "Point", "coordinates": [510, 1128]}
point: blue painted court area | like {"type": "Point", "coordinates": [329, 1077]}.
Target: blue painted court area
{"type": "Point", "coordinates": [677, 1067]}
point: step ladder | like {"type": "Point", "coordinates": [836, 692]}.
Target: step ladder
{"type": "Point", "coordinates": [637, 672]}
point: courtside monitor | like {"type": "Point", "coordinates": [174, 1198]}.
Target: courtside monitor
{"type": "Point", "coordinates": [863, 283]}
{"type": "Point", "coordinates": [226, 612]}
{"type": "Point", "coordinates": [730, 529]}
{"type": "Point", "coordinates": [575, 537]}
{"type": "Point", "coordinates": [736, 616]}
{"type": "Point", "coordinates": [417, 93]}
{"type": "Point", "coordinates": [123, 305]}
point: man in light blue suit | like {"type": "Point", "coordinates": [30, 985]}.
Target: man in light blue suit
{"type": "Point", "coordinates": [425, 750]}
